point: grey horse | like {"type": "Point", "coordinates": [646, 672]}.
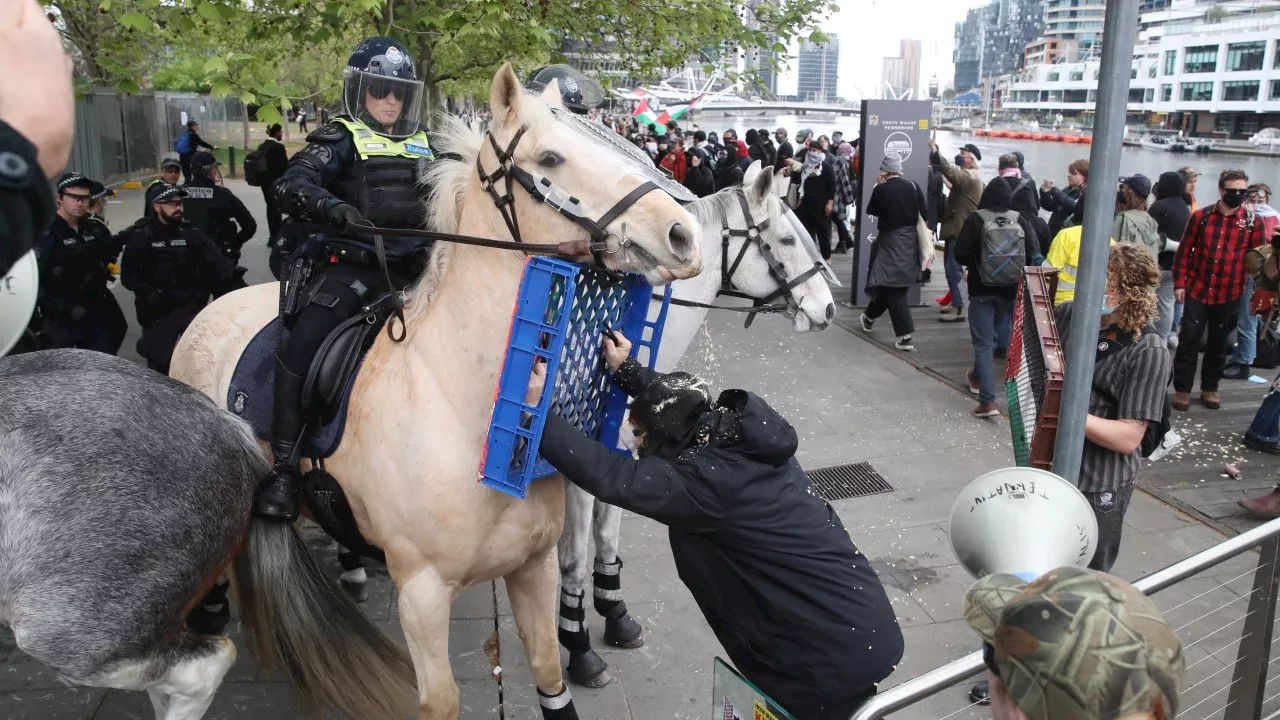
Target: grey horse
{"type": "Point", "coordinates": [124, 495]}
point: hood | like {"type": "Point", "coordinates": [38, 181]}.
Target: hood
{"type": "Point", "coordinates": [1024, 201]}
{"type": "Point", "coordinates": [996, 196]}
{"type": "Point", "coordinates": [1170, 184]}
{"type": "Point", "coordinates": [762, 434]}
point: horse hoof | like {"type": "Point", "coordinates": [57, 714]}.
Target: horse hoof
{"type": "Point", "coordinates": [623, 633]}
{"type": "Point", "coordinates": [589, 670]}
{"type": "Point", "coordinates": [355, 583]}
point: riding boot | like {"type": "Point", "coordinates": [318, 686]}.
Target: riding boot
{"type": "Point", "coordinates": [277, 497]}
{"type": "Point", "coordinates": [620, 630]}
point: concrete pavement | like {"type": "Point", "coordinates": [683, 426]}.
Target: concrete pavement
{"type": "Point", "coordinates": [850, 401]}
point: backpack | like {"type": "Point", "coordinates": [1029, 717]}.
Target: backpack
{"type": "Point", "coordinates": [1130, 230]}
{"type": "Point", "coordinates": [255, 166]}
{"type": "Point", "coordinates": [183, 145]}
{"type": "Point", "coordinates": [1003, 248]}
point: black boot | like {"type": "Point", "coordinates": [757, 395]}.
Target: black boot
{"type": "Point", "coordinates": [277, 497]}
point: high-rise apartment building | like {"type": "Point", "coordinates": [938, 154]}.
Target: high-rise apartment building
{"type": "Point", "coordinates": [900, 76]}
{"type": "Point", "coordinates": [1079, 20]}
{"type": "Point", "coordinates": [992, 39]}
{"type": "Point", "coordinates": [819, 69]}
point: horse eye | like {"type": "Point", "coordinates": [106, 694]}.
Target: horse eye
{"type": "Point", "coordinates": [787, 239]}
{"type": "Point", "coordinates": [550, 160]}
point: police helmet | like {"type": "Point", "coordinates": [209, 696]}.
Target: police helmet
{"type": "Point", "coordinates": [381, 89]}
{"type": "Point", "coordinates": [579, 93]}
{"type": "Point", "coordinates": [21, 283]}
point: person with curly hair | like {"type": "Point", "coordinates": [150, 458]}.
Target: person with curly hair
{"type": "Point", "coordinates": [1130, 382]}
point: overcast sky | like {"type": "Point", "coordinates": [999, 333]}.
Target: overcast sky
{"type": "Point", "coordinates": [869, 30]}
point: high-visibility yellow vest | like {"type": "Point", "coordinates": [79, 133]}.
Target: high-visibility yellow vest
{"type": "Point", "coordinates": [1064, 254]}
{"type": "Point", "coordinates": [371, 144]}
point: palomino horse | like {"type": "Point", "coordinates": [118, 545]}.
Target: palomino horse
{"type": "Point", "coordinates": [419, 410]}
{"type": "Point", "coordinates": [808, 303]}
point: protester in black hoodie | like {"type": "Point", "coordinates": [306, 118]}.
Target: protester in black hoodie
{"type": "Point", "coordinates": [1025, 201]}
{"type": "Point", "coordinates": [797, 608]}
{"type": "Point", "coordinates": [989, 306]}
{"type": "Point", "coordinates": [1171, 212]}
{"type": "Point", "coordinates": [730, 173]}
{"type": "Point", "coordinates": [697, 177]}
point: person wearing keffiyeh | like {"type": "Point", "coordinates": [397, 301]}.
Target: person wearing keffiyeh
{"type": "Point", "coordinates": [797, 608]}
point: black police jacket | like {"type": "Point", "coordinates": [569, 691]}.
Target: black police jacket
{"type": "Point", "coordinates": [387, 191]}
{"type": "Point", "coordinates": [218, 213]}
{"type": "Point", "coordinates": [171, 265]}
{"type": "Point", "coordinates": [26, 199]}
{"type": "Point", "coordinates": [793, 602]}
{"type": "Point", "coordinates": [73, 266]}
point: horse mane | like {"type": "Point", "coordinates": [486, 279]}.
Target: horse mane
{"type": "Point", "coordinates": [712, 209]}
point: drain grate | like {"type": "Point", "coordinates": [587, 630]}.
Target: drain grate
{"type": "Point", "coordinates": [848, 481]}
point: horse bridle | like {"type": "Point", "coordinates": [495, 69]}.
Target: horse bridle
{"type": "Point", "coordinates": [543, 190]}
{"type": "Point", "coordinates": [752, 235]}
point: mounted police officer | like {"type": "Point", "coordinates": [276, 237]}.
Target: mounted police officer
{"type": "Point", "coordinates": [74, 300]}
{"type": "Point", "coordinates": [363, 168]}
{"type": "Point", "coordinates": [215, 210]}
{"type": "Point", "coordinates": [173, 269]}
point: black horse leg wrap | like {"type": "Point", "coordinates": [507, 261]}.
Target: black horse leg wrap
{"type": "Point", "coordinates": [607, 591]}
{"type": "Point", "coordinates": [573, 630]}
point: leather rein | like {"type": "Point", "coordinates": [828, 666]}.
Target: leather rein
{"type": "Point", "coordinates": [753, 237]}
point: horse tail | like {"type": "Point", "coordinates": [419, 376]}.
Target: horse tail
{"type": "Point", "coordinates": [293, 614]}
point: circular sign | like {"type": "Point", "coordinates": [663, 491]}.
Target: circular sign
{"type": "Point", "coordinates": [898, 143]}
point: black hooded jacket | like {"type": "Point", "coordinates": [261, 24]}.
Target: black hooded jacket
{"type": "Point", "coordinates": [1171, 212]}
{"type": "Point", "coordinates": [997, 197]}
{"type": "Point", "coordinates": [796, 606]}
{"type": "Point", "coordinates": [1061, 205]}
{"type": "Point", "coordinates": [1026, 202]}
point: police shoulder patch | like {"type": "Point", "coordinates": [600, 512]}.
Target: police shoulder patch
{"type": "Point", "coordinates": [333, 132]}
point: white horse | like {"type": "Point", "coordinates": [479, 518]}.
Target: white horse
{"type": "Point", "coordinates": [419, 410]}
{"type": "Point", "coordinates": [809, 305]}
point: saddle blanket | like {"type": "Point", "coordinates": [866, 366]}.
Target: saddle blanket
{"type": "Point", "coordinates": [250, 393]}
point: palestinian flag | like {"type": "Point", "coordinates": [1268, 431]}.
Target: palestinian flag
{"type": "Point", "coordinates": [675, 112]}
{"type": "Point", "coordinates": [645, 116]}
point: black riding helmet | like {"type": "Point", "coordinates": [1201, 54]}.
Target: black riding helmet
{"type": "Point", "coordinates": [579, 93]}
{"type": "Point", "coordinates": [379, 67]}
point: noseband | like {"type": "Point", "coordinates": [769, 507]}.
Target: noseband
{"type": "Point", "coordinates": [752, 237]}
{"type": "Point", "coordinates": [603, 242]}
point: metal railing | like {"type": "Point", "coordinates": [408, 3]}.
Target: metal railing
{"type": "Point", "coordinates": [1246, 693]}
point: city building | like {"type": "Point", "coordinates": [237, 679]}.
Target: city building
{"type": "Point", "coordinates": [819, 68]}
{"type": "Point", "coordinates": [933, 88]}
{"type": "Point", "coordinates": [1047, 51]}
{"type": "Point", "coordinates": [1213, 74]}
{"type": "Point", "coordinates": [900, 76]}
{"type": "Point", "coordinates": [1079, 20]}
{"type": "Point", "coordinates": [762, 62]}
{"type": "Point", "coordinates": [992, 39]}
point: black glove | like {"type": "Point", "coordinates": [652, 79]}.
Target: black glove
{"type": "Point", "coordinates": [343, 216]}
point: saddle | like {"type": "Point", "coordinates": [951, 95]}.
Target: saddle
{"type": "Point", "coordinates": [325, 397]}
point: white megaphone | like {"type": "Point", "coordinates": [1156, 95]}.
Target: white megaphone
{"type": "Point", "coordinates": [18, 287]}
{"type": "Point", "coordinates": [1022, 521]}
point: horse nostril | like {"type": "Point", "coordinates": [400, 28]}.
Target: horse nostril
{"type": "Point", "coordinates": [831, 311]}
{"type": "Point", "coordinates": [681, 241]}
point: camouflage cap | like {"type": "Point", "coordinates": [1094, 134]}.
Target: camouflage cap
{"type": "Point", "coordinates": [1077, 644]}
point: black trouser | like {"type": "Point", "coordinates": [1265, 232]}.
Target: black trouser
{"type": "Point", "coordinates": [162, 328]}
{"type": "Point", "coordinates": [1195, 316]}
{"type": "Point", "coordinates": [98, 329]}
{"type": "Point", "coordinates": [842, 231]}
{"type": "Point", "coordinates": [818, 224]}
{"type": "Point", "coordinates": [894, 300]}
{"type": "Point", "coordinates": [1109, 507]}
{"type": "Point", "coordinates": [117, 325]}
{"type": "Point", "coordinates": [185, 162]}
{"type": "Point", "coordinates": [273, 214]}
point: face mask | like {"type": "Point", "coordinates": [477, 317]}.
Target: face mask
{"type": "Point", "coordinates": [1233, 198]}
{"type": "Point", "coordinates": [959, 161]}
{"type": "Point", "coordinates": [1107, 309]}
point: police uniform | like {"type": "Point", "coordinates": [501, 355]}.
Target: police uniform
{"type": "Point", "coordinates": [216, 211]}
{"type": "Point", "coordinates": [173, 269]}
{"type": "Point", "coordinates": [353, 171]}
{"type": "Point", "coordinates": [108, 247]}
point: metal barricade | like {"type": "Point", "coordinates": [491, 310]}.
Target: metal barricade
{"type": "Point", "coordinates": [1212, 622]}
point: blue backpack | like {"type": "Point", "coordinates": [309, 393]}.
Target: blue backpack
{"type": "Point", "coordinates": [183, 146]}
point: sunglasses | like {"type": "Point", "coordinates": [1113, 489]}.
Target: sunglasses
{"type": "Point", "coordinates": [76, 197]}
{"type": "Point", "coordinates": [381, 90]}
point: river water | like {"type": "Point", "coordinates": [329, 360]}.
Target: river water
{"type": "Point", "coordinates": [1044, 160]}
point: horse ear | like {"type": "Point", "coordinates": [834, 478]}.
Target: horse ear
{"type": "Point", "coordinates": [552, 93]}
{"type": "Point", "coordinates": [750, 174]}
{"type": "Point", "coordinates": [504, 97]}
{"type": "Point", "coordinates": [762, 185]}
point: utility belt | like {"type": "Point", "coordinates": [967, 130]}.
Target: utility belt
{"type": "Point", "coordinates": [321, 252]}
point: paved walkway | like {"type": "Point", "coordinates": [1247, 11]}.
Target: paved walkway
{"type": "Point", "coordinates": [850, 401]}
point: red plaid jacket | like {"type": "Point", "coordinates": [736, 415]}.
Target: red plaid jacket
{"type": "Point", "coordinates": [1209, 263]}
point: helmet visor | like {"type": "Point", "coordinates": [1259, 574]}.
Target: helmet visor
{"type": "Point", "coordinates": [579, 92]}
{"type": "Point", "coordinates": [389, 106]}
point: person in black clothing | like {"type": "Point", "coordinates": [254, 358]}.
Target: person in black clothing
{"type": "Point", "coordinates": [1065, 206]}
{"type": "Point", "coordinates": [794, 603]}
{"type": "Point", "coordinates": [1022, 170]}
{"type": "Point", "coordinates": [817, 195]}
{"type": "Point", "coordinates": [1171, 211]}
{"type": "Point", "coordinates": [215, 210]}
{"type": "Point", "coordinates": [173, 269]}
{"type": "Point", "coordinates": [275, 162]}
{"type": "Point", "coordinates": [897, 204]}
{"type": "Point", "coordinates": [73, 297]}
{"type": "Point", "coordinates": [364, 168]}
{"type": "Point", "coordinates": [785, 150]}
{"type": "Point", "coordinates": [730, 173]}
{"type": "Point", "coordinates": [1024, 201]}
{"type": "Point", "coordinates": [990, 307]}
{"type": "Point", "coordinates": [193, 144]}
{"type": "Point", "coordinates": [936, 197]}
{"type": "Point", "coordinates": [109, 247]}
{"type": "Point", "coordinates": [770, 150]}
{"type": "Point", "coordinates": [698, 176]}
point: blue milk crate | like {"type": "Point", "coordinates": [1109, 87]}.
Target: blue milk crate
{"type": "Point", "coordinates": [582, 390]}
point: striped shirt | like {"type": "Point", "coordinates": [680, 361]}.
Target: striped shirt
{"type": "Point", "coordinates": [1209, 264]}
{"type": "Point", "coordinates": [1127, 385]}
